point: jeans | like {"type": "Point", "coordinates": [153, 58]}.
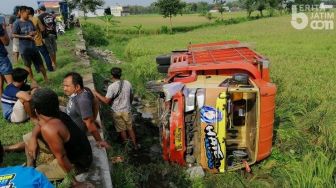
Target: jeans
{"type": "Point", "coordinates": [5, 66]}
{"type": "Point", "coordinates": [44, 52]}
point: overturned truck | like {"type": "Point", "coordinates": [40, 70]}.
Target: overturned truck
{"type": "Point", "coordinates": [216, 106]}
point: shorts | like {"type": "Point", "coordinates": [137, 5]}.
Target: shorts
{"type": "Point", "coordinates": [122, 121]}
{"type": "Point", "coordinates": [33, 57]}
{"type": "Point", "coordinates": [16, 42]}
{"type": "Point", "coordinates": [52, 169]}
{"type": "Point", "coordinates": [19, 114]}
{"type": "Point", "coordinates": [5, 66]}
{"type": "Point", "coordinates": [50, 43]}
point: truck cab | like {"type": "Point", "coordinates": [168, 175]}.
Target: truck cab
{"type": "Point", "coordinates": [216, 106]}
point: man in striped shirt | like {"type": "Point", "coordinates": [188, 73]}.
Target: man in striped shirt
{"type": "Point", "coordinates": [16, 98]}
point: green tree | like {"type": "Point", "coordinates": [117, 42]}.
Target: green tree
{"type": "Point", "coordinates": [209, 16]}
{"type": "Point", "coordinates": [85, 5]}
{"type": "Point", "coordinates": [170, 8]}
{"type": "Point", "coordinates": [109, 23]}
{"type": "Point", "coordinates": [275, 5]}
{"type": "Point", "coordinates": [261, 5]}
{"type": "Point", "coordinates": [220, 6]}
{"type": "Point", "coordinates": [203, 7]}
{"type": "Point", "coordinates": [138, 28]}
{"type": "Point", "coordinates": [307, 2]}
{"type": "Point", "coordinates": [248, 5]}
{"type": "Point", "coordinates": [153, 8]}
{"type": "Point", "coordinates": [190, 8]}
{"type": "Point", "coordinates": [234, 4]}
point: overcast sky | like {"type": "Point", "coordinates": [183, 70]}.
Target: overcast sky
{"type": "Point", "coordinates": [6, 6]}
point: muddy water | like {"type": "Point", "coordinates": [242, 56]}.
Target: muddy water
{"type": "Point", "coordinates": [145, 122]}
{"type": "Point", "coordinates": [147, 111]}
{"type": "Point", "coordinates": [149, 158]}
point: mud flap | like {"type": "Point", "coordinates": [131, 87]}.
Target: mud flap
{"type": "Point", "coordinates": [221, 127]}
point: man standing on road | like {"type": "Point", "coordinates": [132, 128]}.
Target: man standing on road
{"type": "Point", "coordinates": [12, 19]}
{"type": "Point", "coordinates": [39, 40]}
{"type": "Point", "coordinates": [5, 65]}
{"type": "Point", "coordinates": [119, 95]}
{"type": "Point", "coordinates": [24, 30]}
{"type": "Point", "coordinates": [50, 33]}
{"type": "Point", "coordinates": [81, 106]}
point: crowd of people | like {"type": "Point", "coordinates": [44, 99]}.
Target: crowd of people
{"type": "Point", "coordinates": [58, 130]}
{"type": "Point", "coordinates": [32, 36]}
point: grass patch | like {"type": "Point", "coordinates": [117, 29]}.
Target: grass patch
{"type": "Point", "coordinates": [302, 67]}
{"type": "Point", "coordinates": [94, 35]}
{"type": "Point", "coordinates": [156, 24]}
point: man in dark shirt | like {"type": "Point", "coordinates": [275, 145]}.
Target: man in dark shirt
{"type": "Point", "coordinates": [56, 132]}
{"type": "Point", "coordinates": [24, 30]}
{"type": "Point", "coordinates": [81, 106]}
{"type": "Point", "coordinates": [5, 64]}
{"type": "Point", "coordinates": [50, 33]}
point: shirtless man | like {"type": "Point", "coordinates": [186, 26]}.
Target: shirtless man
{"type": "Point", "coordinates": [56, 133]}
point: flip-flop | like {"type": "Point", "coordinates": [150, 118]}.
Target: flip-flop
{"type": "Point", "coordinates": [117, 159]}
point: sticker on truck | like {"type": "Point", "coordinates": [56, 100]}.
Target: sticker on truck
{"type": "Point", "coordinates": [210, 115]}
{"type": "Point", "coordinates": [178, 139]}
{"type": "Point", "coordinates": [213, 148]}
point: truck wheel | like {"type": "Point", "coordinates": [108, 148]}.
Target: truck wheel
{"type": "Point", "coordinates": [163, 68]}
{"type": "Point", "coordinates": [180, 51]}
{"type": "Point", "coordinates": [163, 59]}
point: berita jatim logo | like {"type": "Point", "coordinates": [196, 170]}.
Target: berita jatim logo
{"type": "Point", "coordinates": [317, 17]}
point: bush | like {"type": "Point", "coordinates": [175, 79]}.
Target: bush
{"type": "Point", "coordinates": [94, 35]}
{"type": "Point", "coordinates": [164, 29]}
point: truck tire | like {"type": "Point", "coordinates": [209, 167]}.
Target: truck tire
{"type": "Point", "coordinates": [180, 51]}
{"type": "Point", "coordinates": [163, 68]}
{"type": "Point", "coordinates": [163, 59]}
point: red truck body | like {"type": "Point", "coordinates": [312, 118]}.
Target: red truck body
{"type": "Point", "coordinates": [244, 112]}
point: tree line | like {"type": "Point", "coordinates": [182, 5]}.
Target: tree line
{"type": "Point", "coordinates": [221, 5]}
{"type": "Point", "coordinates": [204, 7]}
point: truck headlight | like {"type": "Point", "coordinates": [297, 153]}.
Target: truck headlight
{"type": "Point", "coordinates": [200, 97]}
{"type": "Point", "coordinates": [190, 100]}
